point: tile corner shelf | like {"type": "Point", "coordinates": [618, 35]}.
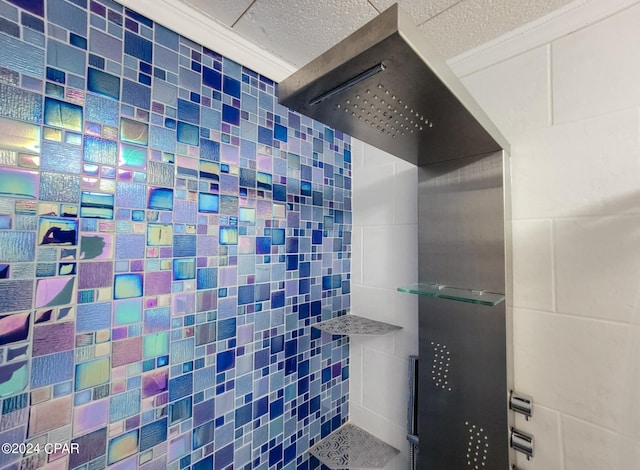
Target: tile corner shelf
{"type": "Point", "coordinates": [350, 325]}
{"type": "Point", "coordinates": [459, 294]}
{"type": "Point", "coordinates": [351, 447]}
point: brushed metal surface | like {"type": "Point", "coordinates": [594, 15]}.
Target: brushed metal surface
{"type": "Point", "coordinates": [414, 107]}
{"type": "Point", "coordinates": [464, 376]}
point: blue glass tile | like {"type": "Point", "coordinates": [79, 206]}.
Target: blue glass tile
{"type": "Point", "coordinates": [265, 136]}
{"type": "Point", "coordinates": [131, 195]}
{"type": "Point", "coordinates": [77, 41]}
{"type": "Point", "coordinates": [207, 278]}
{"type": "Point", "coordinates": [209, 150]}
{"type": "Point", "coordinates": [277, 299]}
{"type": "Point", "coordinates": [189, 112]}
{"type": "Point", "coordinates": [277, 344]}
{"type": "Point", "coordinates": [17, 246]}
{"type": "Point", "coordinates": [50, 369]}
{"type": "Point", "coordinates": [136, 94]}
{"type": "Point", "coordinates": [68, 16]}
{"type": "Point", "coordinates": [55, 75]}
{"type": "Point", "coordinates": [100, 151]}
{"type": "Point", "coordinates": [127, 286]}
{"type": "Point", "coordinates": [153, 434]}
{"type": "Point", "coordinates": [228, 235]}
{"type": "Point", "coordinates": [96, 205]}
{"type": "Point", "coordinates": [225, 360]}
{"type": "Point", "coordinates": [65, 57]}
{"type": "Point", "coordinates": [9, 27]}
{"type": "Point", "coordinates": [139, 18]}
{"type": "Point", "coordinates": [160, 199]}
{"type": "Point", "coordinates": [130, 246]}
{"type": "Point", "coordinates": [20, 104]}
{"type": "Point", "coordinates": [184, 245]}
{"type": "Point", "coordinates": [21, 57]}
{"type": "Point", "coordinates": [166, 37]}
{"type": "Point", "coordinates": [226, 328]}
{"type": "Point", "coordinates": [137, 46]}
{"type": "Point", "coordinates": [188, 133]}
{"type": "Point", "coordinates": [96, 61]}
{"type": "Point", "coordinates": [280, 133]}
{"type": "Point", "coordinates": [231, 115]}
{"type": "Point", "coordinates": [59, 187]}
{"type": "Point", "coordinates": [103, 83]}
{"type": "Point", "coordinates": [231, 86]}
{"type": "Point", "coordinates": [34, 6]}
{"type": "Point", "coordinates": [92, 317]}
{"type": "Point", "coordinates": [184, 269]}
{"type": "Point", "coordinates": [61, 114]}
{"type": "Point", "coordinates": [180, 387]}
{"type": "Point", "coordinates": [211, 78]}
{"type": "Point", "coordinates": [264, 181]}
{"type": "Point", "coordinates": [144, 79]}
{"type": "Point", "coordinates": [263, 245]}
{"type": "Point", "coordinates": [208, 202]}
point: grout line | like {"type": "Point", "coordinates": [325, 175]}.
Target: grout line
{"type": "Point", "coordinates": [243, 13]}
{"type": "Point", "coordinates": [550, 82]}
{"type": "Point", "coordinates": [554, 277]}
{"type": "Point", "coordinates": [563, 461]}
{"type": "Point", "coordinates": [575, 316]}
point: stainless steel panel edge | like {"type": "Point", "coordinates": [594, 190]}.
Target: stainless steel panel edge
{"type": "Point", "coordinates": [465, 350]}
{"type": "Point", "coordinates": [413, 76]}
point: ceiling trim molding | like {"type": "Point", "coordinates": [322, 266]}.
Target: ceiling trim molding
{"type": "Point", "coordinates": [561, 22]}
{"type": "Point", "coordinates": [204, 30]}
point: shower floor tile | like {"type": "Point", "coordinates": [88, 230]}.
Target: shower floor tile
{"type": "Point", "coordinates": [355, 325]}
{"type": "Point", "coordinates": [351, 447]}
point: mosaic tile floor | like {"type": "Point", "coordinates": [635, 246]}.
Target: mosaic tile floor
{"type": "Point", "coordinates": [351, 447]}
{"type": "Point", "coordinates": [355, 325]}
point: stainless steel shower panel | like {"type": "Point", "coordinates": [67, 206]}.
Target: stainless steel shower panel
{"type": "Point", "coordinates": [464, 376]}
{"type": "Point", "coordinates": [385, 86]}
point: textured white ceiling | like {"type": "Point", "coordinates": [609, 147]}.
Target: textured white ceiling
{"type": "Point", "coordinates": [300, 30]}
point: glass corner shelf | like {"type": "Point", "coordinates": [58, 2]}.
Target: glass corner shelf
{"type": "Point", "coordinates": [460, 294]}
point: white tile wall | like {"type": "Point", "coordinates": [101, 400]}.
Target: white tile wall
{"type": "Point", "coordinates": [384, 246]}
{"type": "Point", "coordinates": [595, 69]}
{"type": "Point", "coordinates": [533, 264]}
{"type": "Point", "coordinates": [576, 239]}
{"type": "Point", "coordinates": [499, 91]}
{"type": "Point", "coordinates": [571, 110]}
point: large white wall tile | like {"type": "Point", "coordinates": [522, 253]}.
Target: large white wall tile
{"type": "Point", "coordinates": [405, 193]}
{"type": "Point", "coordinates": [532, 264]}
{"type": "Point", "coordinates": [378, 370]}
{"type": "Point", "coordinates": [355, 374]}
{"type": "Point", "coordinates": [389, 256]}
{"type": "Point", "coordinates": [515, 93]}
{"type": "Point", "coordinates": [389, 431]}
{"type": "Point", "coordinates": [588, 447]}
{"type": "Point", "coordinates": [373, 195]}
{"type": "Point", "coordinates": [356, 255]}
{"type": "Point", "coordinates": [598, 266]}
{"type": "Point", "coordinates": [585, 368]}
{"type": "Point", "coordinates": [596, 69]}
{"type": "Point", "coordinates": [545, 427]}
{"type": "Point", "coordinates": [590, 167]}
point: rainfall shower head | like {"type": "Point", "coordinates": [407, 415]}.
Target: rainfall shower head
{"type": "Point", "coordinates": [385, 87]}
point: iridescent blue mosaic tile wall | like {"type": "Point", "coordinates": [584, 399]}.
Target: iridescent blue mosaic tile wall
{"type": "Point", "coordinates": [168, 235]}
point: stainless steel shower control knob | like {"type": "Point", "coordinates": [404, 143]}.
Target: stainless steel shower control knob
{"type": "Point", "coordinates": [521, 403]}
{"type": "Point", "coordinates": [522, 442]}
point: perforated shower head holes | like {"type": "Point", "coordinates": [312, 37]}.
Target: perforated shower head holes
{"type": "Point", "coordinates": [385, 112]}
